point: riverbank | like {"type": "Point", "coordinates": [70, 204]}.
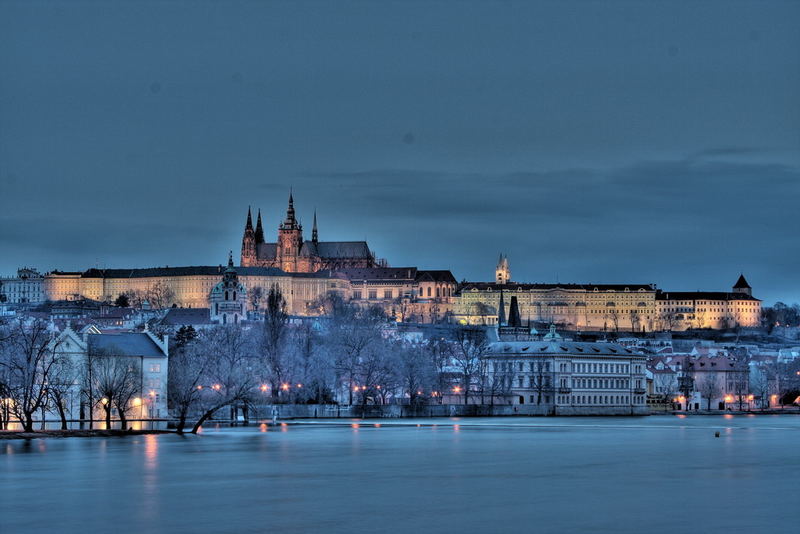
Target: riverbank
{"type": "Point", "coordinates": [18, 434]}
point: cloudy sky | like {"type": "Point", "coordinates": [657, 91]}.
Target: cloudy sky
{"type": "Point", "coordinates": [590, 141]}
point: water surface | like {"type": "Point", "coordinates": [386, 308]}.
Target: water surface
{"type": "Point", "coordinates": [649, 474]}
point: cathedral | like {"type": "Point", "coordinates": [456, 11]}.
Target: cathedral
{"type": "Point", "coordinates": [293, 254]}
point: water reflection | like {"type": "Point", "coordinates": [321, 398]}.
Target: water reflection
{"type": "Point", "coordinates": [313, 479]}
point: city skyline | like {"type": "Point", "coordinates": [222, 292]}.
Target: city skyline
{"type": "Point", "coordinates": [640, 143]}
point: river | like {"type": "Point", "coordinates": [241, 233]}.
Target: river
{"type": "Point", "coordinates": [649, 474]}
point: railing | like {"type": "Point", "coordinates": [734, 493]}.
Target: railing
{"type": "Point", "coordinates": [565, 390]}
{"type": "Point", "coordinates": [639, 391]}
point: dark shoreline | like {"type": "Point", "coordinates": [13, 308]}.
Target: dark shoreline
{"type": "Point", "coordinates": [17, 434]}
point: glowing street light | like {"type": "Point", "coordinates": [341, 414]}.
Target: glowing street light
{"type": "Point", "coordinates": [137, 401]}
{"type": "Point", "coordinates": [104, 401]}
{"type": "Point", "coordinates": [216, 387]}
{"type": "Point", "coordinates": [264, 387]}
{"type": "Point", "coordinates": [457, 389]}
{"type": "Point", "coordinates": [285, 387]}
{"type": "Point", "coordinates": [199, 387]}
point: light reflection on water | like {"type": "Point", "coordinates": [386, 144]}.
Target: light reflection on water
{"type": "Point", "coordinates": [466, 475]}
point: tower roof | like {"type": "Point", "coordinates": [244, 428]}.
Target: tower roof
{"type": "Point", "coordinates": [259, 229]}
{"type": "Point", "coordinates": [741, 283]}
{"type": "Point", "coordinates": [249, 225]}
{"type": "Point", "coordinates": [514, 318]}
{"type": "Point", "coordinates": [501, 312]}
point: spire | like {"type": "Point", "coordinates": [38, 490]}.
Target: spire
{"type": "Point", "coordinates": [501, 312]}
{"type": "Point", "coordinates": [514, 319]}
{"type": "Point", "coordinates": [291, 222]}
{"type": "Point", "coordinates": [259, 229]}
{"type": "Point", "coordinates": [741, 283]}
{"type": "Point", "coordinates": [230, 259]}
{"type": "Point", "coordinates": [249, 225]}
{"type": "Point", "coordinates": [314, 235]}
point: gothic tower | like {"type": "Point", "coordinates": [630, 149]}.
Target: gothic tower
{"type": "Point", "coordinates": [290, 239]}
{"type": "Point", "coordinates": [502, 273]}
{"type": "Point", "coordinates": [249, 243]}
{"type": "Point", "coordinates": [259, 230]}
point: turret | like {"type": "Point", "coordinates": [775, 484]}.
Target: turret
{"type": "Point", "coordinates": [314, 234]}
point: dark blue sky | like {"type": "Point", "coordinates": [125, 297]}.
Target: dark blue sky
{"type": "Point", "coordinates": [590, 141]}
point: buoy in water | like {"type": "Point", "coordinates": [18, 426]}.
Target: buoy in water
{"type": "Point", "coordinates": [716, 434]}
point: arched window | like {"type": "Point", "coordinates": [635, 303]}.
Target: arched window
{"type": "Point", "coordinates": [226, 294]}
{"type": "Point", "coordinates": [234, 295]}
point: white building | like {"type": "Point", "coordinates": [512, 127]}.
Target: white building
{"type": "Point", "coordinates": [26, 287]}
{"type": "Point", "coordinates": [145, 354]}
{"type": "Point", "coordinates": [568, 377]}
{"type": "Point", "coordinates": [228, 298]}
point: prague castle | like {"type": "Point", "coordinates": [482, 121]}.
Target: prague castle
{"type": "Point", "coordinates": [607, 307]}
{"type": "Point", "coordinates": [308, 271]}
{"type": "Point", "coordinates": [292, 254]}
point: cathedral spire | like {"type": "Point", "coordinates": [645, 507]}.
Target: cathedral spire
{"type": "Point", "coordinates": [230, 259]}
{"type": "Point", "coordinates": [314, 234]}
{"type": "Point", "coordinates": [259, 229]}
{"type": "Point", "coordinates": [249, 225]}
{"type": "Point", "coordinates": [291, 220]}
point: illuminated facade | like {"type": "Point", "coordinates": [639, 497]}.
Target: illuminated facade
{"type": "Point", "coordinates": [610, 307]}
{"type": "Point", "coordinates": [607, 307]}
{"type": "Point", "coordinates": [26, 287]}
{"type": "Point", "coordinates": [292, 254]}
{"type": "Point", "coordinates": [567, 377]}
{"type": "Point", "coordinates": [681, 310]}
{"type": "Point", "coordinates": [143, 352]}
{"type": "Point", "coordinates": [190, 287]}
{"type": "Point", "coordinates": [407, 294]}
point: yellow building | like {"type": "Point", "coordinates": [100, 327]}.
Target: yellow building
{"type": "Point", "coordinates": [681, 310]}
{"type": "Point", "coordinates": [612, 307]}
{"type": "Point", "coordinates": [190, 287]}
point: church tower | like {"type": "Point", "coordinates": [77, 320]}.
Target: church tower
{"type": "Point", "coordinates": [741, 286]}
{"type": "Point", "coordinates": [502, 273]}
{"type": "Point", "coordinates": [249, 243]}
{"type": "Point", "coordinates": [290, 239]}
{"type": "Point", "coordinates": [259, 230]}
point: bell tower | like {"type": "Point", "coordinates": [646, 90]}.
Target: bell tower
{"type": "Point", "coordinates": [248, 257]}
{"type": "Point", "coordinates": [502, 273]}
{"type": "Point", "coordinates": [290, 239]}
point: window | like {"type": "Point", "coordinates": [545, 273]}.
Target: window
{"type": "Point", "coordinates": [357, 295]}
{"type": "Point", "coordinates": [155, 368]}
{"type": "Point", "coordinates": [373, 294]}
{"type": "Point", "coordinates": [387, 294]}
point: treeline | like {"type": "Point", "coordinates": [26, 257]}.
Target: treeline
{"type": "Point", "coordinates": [780, 315]}
{"type": "Point", "coordinates": [345, 356]}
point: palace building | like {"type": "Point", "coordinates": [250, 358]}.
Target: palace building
{"type": "Point", "coordinates": [606, 307]}
{"type": "Point", "coordinates": [293, 254]}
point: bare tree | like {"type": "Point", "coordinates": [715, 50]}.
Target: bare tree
{"type": "Point", "coordinates": [415, 371]}
{"type": "Point", "coordinates": [273, 340]}
{"type": "Point", "coordinates": [709, 387]}
{"type": "Point", "coordinates": [231, 374]}
{"type": "Point", "coordinates": [160, 295]}
{"type": "Point", "coordinates": [28, 358]}
{"type": "Point", "coordinates": [469, 347]}
{"type": "Point", "coordinates": [353, 332]}
{"type": "Point", "coordinates": [115, 381]}
{"type": "Point", "coordinates": [62, 380]}
{"type": "Point", "coordinates": [189, 365]}
{"type": "Point", "coordinates": [541, 377]}
{"type": "Point", "coordinates": [255, 295]}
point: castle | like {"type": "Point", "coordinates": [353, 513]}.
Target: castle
{"type": "Point", "coordinates": [293, 254]}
